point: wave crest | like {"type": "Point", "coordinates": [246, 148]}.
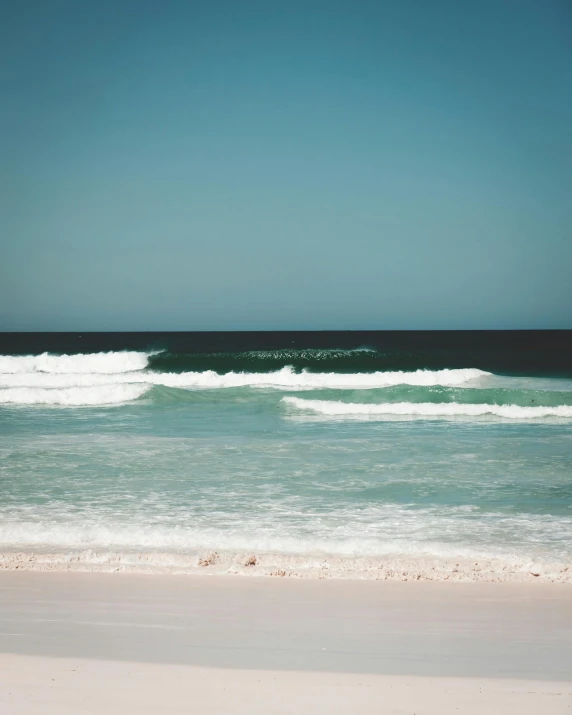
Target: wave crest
{"type": "Point", "coordinates": [287, 378]}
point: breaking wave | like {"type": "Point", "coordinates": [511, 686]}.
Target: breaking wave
{"type": "Point", "coordinates": [336, 408]}
{"type": "Point", "coordinates": [114, 378]}
{"type": "Point", "coordinates": [72, 396]}
{"type": "Point", "coordinates": [117, 377]}
{"type": "Point", "coordinates": [92, 363]}
{"type": "Point", "coordinates": [130, 370]}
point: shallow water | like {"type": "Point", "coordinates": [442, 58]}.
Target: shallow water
{"type": "Point", "coordinates": [108, 452]}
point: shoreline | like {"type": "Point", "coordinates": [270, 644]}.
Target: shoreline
{"type": "Point", "coordinates": [317, 566]}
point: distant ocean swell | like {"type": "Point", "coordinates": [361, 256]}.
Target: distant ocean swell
{"type": "Point", "coordinates": [507, 352]}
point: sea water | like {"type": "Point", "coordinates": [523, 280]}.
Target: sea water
{"type": "Point", "coordinates": [378, 455]}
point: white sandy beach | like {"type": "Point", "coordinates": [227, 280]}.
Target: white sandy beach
{"type": "Point", "coordinates": [122, 643]}
{"type": "Point", "coordinates": [34, 686]}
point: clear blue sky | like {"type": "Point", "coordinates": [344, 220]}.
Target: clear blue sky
{"type": "Point", "coordinates": [278, 165]}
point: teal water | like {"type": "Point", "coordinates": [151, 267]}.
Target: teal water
{"type": "Point", "coordinates": [108, 452]}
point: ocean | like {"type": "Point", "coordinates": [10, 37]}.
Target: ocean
{"type": "Point", "coordinates": [410, 455]}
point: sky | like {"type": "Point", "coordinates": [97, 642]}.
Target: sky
{"type": "Point", "coordinates": [211, 165]}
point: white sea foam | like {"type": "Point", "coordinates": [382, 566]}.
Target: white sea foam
{"type": "Point", "coordinates": [73, 396]}
{"type": "Point", "coordinates": [91, 363]}
{"type": "Point", "coordinates": [286, 378]}
{"type": "Point", "coordinates": [297, 566]}
{"type": "Point", "coordinates": [425, 409]}
{"type": "Point", "coordinates": [92, 532]}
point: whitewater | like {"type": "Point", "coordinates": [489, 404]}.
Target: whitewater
{"type": "Point", "coordinates": [425, 409]}
{"type": "Point", "coordinates": [306, 462]}
{"type": "Point", "coordinates": [108, 378]}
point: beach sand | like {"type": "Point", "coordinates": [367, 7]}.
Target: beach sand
{"type": "Point", "coordinates": [123, 643]}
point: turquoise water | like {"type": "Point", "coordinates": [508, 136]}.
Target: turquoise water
{"type": "Point", "coordinates": [104, 452]}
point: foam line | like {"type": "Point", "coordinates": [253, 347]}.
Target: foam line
{"type": "Point", "coordinates": [425, 409]}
